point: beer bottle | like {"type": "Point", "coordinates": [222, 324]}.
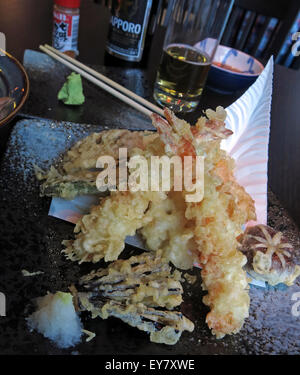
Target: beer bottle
{"type": "Point", "coordinates": [129, 35]}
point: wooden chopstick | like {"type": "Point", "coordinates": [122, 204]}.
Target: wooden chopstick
{"type": "Point", "coordinates": [110, 86]}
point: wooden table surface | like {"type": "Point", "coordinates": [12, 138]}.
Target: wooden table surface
{"type": "Point", "coordinates": [27, 24]}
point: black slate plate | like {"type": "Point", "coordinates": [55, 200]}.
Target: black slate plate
{"type": "Point", "coordinates": [30, 239]}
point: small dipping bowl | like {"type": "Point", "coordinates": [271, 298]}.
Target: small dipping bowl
{"type": "Point", "coordinates": [232, 70]}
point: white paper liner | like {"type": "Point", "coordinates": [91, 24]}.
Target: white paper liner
{"type": "Point", "coordinates": [249, 119]}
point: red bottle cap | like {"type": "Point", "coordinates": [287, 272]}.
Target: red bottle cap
{"type": "Point", "coordinates": [68, 3]}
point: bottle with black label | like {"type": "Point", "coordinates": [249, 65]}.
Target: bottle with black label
{"type": "Point", "coordinates": [128, 30]}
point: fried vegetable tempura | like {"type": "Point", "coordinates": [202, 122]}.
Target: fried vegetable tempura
{"type": "Point", "coordinates": [141, 291]}
{"type": "Point", "coordinates": [270, 256]}
{"type": "Point", "coordinates": [101, 233]}
{"type": "Point", "coordinates": [84, 154]}
{"type": "Point", "coordinates": [145, 278]}
{"type": "Point", "coordinates": [76, 175]}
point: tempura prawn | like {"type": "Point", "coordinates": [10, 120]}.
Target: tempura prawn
{"type": "Point", "coordinates": [217, 218]}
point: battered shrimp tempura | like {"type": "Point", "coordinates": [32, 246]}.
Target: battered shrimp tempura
{"type": "Point", "coordinates": [217, 218]}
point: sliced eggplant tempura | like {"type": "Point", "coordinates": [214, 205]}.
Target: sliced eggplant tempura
{"type": "Point", "coordinates": [140, 291]}
{"type": "Point", "coordinates": [164, 326]}
{"type": "Point", "coordinates": [145, 278]}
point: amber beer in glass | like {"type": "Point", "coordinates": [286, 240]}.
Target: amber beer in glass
{"type": "Point", "coordinates": [193, 33]}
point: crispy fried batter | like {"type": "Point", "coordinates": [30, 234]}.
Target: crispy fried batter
{"type": "Point", "coordinates": [170, 231]}
{"type": "Point", "coordinates": [164, 326]}
{"type": "Point", "coordinates": [134, 291]}
{"type": "Point", "coordinates": [146, 278]}
{"type": "Point", "coordinates": [76, 175]}
{"type": "Point", "coordinates": [84, 154]}
{"type": "Point", "coordinates": [101, 233]}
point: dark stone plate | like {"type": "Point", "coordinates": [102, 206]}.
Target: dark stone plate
{"type": "Point", "coordinates": [31, 240]}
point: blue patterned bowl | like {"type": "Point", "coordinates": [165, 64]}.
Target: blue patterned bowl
{"type": "Point", "coordinates": [231, 70]}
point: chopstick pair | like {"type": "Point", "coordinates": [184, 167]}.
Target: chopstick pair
{"type": "Point", "coordinates": [103, 82]}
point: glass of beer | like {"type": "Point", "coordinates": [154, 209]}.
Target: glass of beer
{"type": "Point", "coordinates": [194, 29]}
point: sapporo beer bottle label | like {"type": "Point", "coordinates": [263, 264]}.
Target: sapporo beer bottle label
{"type": "Point", "coordinates": [127, 29]}
{"type": "Point", "coordinates": [65, 31]}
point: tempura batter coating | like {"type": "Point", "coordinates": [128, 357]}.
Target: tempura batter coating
{"type": "Point", "coordinates": [101, 233]}
{"type": "Point", "coordinates": [170, 231]}
{"type": "Point", "coordinates": [84, 154]}
{"type": "Point", "coordinates": [76, 174]}
{"type": "Point", "coordinates": [142, 291]}
{"type": "Point", "coordinates": [146, 278]}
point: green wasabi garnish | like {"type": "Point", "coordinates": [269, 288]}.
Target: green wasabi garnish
{"type": "Point", "coordinates": [71, 93]}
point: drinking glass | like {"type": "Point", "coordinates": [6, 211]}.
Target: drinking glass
{"type": "Point", "coordinates": [194, 29]}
